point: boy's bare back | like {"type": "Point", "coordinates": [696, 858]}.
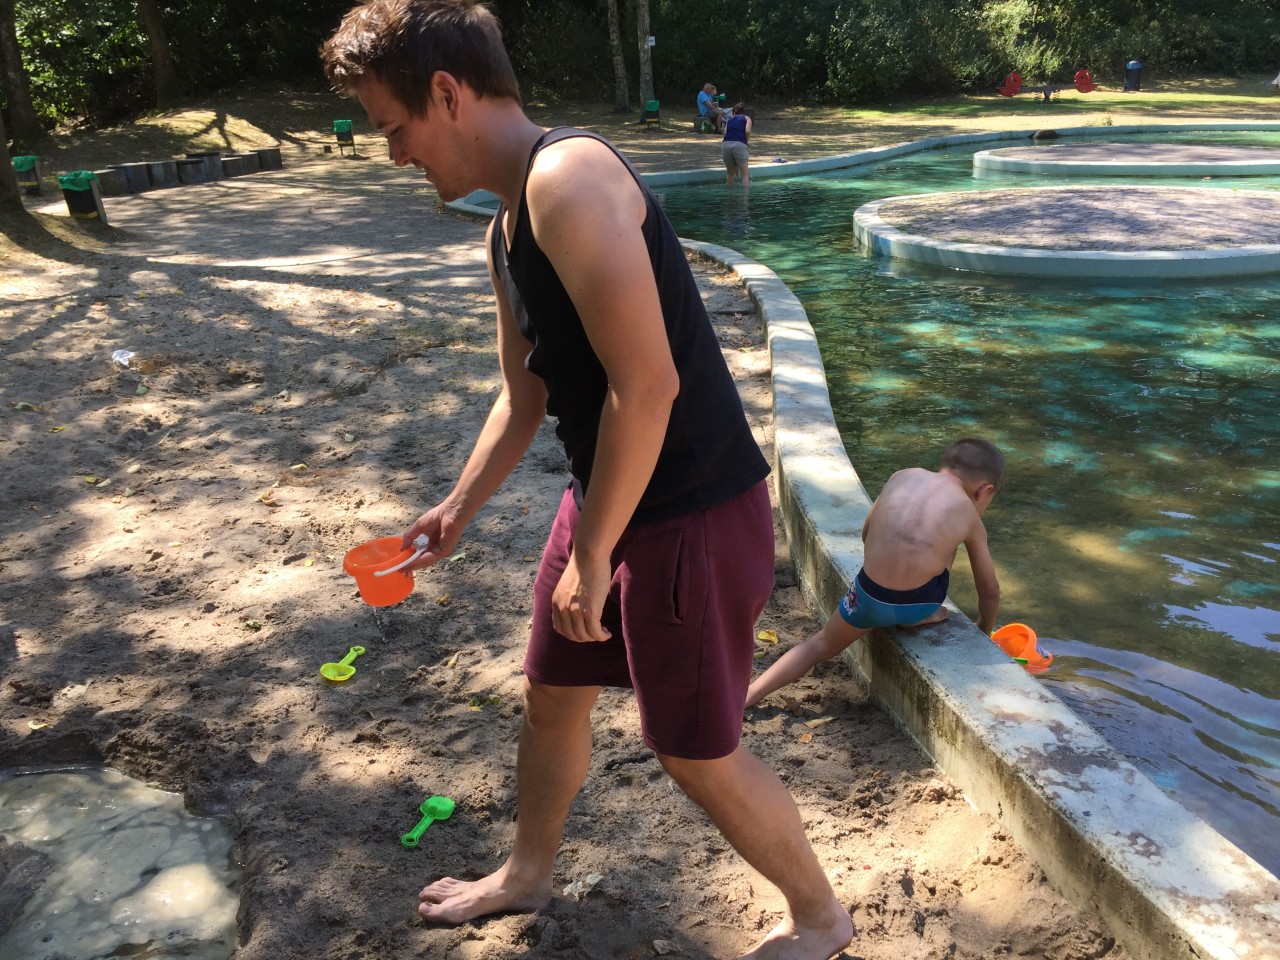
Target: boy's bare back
{"type": "Point", "coordinates": [916, 525]}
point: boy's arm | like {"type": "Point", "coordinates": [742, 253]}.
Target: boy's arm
{"type": "Point", "coordinates": [586, 211]}
{"type": "Point", "coordinates": [984, 577]}
{"type": "Point", "coordinates": [510, 427]}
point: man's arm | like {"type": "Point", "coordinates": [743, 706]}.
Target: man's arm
{"type": "Point", "coordinates": [586, 212]}
{"type": "Point", "coordinates": [984, 577]}
{"type": "Point", "coordinates": [509, 429]}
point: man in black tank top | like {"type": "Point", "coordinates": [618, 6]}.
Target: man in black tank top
{"type": "Point", "coordinates": [661, 555]}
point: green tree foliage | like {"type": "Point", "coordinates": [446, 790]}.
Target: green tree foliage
{"type": "Point", "coordinates": [88, 60]}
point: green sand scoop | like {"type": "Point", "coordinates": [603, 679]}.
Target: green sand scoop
{"type": "Point", "coordinates": [432, 809]}
{"type": "Point", "coordinates": [342, 670]}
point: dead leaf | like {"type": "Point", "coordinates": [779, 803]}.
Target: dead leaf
{"type": "Point", "coordinates": [267, 498]}
{"type": "Point", "coordinates": [298, 467]}
{"type": "Point", "coordinates": [23, 405]}
{"type": "Point", "coordinates": [254, 625]}
{"type": "Point", "coordinates": [36, 724]}
{"type": "Point", "coordinates": [57, 429]}
{"type": "Point", "coordinates": [444, 600]}
{"type": "Point", "coordinates": [767, 636]}
{"type": "Point", "coordinates": [806, 738]}
{"type": "Point", "coordinates": [452, 662]}
{"type": "Point", "coordinates": [818, 722]}
{"type": "Point", "coordinates": [580, 888]}
{"type": "Point", "coordinates": [90, 479]}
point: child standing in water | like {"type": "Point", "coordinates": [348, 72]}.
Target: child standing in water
{"type": "Point", "coordinates": [910, 539]}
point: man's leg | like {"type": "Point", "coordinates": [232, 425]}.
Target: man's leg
{"type": "Point", "coordinates": [551, 764]}
{"type": "Point", "coordinates": [756, 814]}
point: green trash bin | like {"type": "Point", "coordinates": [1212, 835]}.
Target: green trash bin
{"type": "Point", "coordinates": [27, 168]}
{"type": "Point", "coordinates": [80, 190]}
{"type": "Point", "coordinates": [342, 133]}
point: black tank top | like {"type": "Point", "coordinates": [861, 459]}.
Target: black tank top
{"type": "Point", "coordinates": [709, 455]}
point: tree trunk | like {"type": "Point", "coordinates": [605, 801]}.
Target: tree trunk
{"type": "Point", "coordinates": [621, 102]}
{"type": "Point", "coordinates": [162, 63]}
{"type": "Point", "coordinates": [646, 51]}
{"type": "Point", "coordinates": [10, 197]}
{"type": "Point", "coordinates": [26, 125]}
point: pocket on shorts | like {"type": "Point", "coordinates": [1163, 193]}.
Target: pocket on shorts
{"type": "Point", "coordinates": [676, 571]}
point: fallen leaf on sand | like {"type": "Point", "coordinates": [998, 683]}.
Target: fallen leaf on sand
{"type": "Point", "coordinates": [767, 636]}
{"type": "Point", "coordinates": [580, 888]}
{"type": "Point", "coordinates": [819, 721]}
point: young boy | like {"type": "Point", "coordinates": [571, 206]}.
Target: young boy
{"type": "Point", "coordinates": [910, 540]}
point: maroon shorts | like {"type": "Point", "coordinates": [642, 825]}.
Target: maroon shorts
{"type": "Point", "coordinates": [682, 609]}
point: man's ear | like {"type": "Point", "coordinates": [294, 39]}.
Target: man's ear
{"type": "Point", "coordinates": [445, 91]}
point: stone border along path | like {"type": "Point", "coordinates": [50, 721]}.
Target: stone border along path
{"type": "Point", "coordinates": [1168, 884]}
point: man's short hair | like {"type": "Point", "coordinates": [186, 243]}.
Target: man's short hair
{"type": "Point", "coordinates": [402, 43]}
{"type": "Point", "coordinates": [975, 460]}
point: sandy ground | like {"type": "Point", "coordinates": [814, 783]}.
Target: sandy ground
{"type": "Point", "coordinates": [313, 355]}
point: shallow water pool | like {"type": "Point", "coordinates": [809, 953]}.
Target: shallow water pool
{"type": "Point", "coordinates": [1139, 529]}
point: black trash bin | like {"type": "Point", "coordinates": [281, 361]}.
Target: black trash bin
{"type": "Point", "coordinates": [1133, 75]}
{"type": "Point", "coordinates": [27, 169]}
{"type": "Point", "coordinates": [80, 190]}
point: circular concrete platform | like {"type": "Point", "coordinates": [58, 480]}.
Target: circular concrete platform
{"type": "Point", "coordinates": [1117, 232]}
{"type": "Point", "coordinates": [1130, 160]}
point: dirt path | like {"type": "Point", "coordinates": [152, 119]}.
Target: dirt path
{"type": "Point", "coordinates": [313, 355]}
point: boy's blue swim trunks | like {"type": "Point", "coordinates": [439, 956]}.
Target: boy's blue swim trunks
{"type": "Point", "coordinates": [867, 604]}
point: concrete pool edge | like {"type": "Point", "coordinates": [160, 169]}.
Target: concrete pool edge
{"type": "Point", "coordinates": [474, 203]}
{"type": "Point", "coordinates": [1166, 882]}
{"type": "Point", "coordinates": [876, 236]}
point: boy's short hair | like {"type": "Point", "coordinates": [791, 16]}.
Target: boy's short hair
{"type": "Point", "coordinates": [402, 43]}
{"type": "Point", "coordinates": [975, 459]}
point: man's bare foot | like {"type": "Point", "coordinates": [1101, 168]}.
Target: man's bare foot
{"type": "Point", "coordinates": [457, 901]}
{"type": "Point", "coordinates": [786, 941]}
{"type": "Point", "coordinates": [942, 613]}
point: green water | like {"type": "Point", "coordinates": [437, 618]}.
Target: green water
{"type": "Point", "coordinates": [1139, 529]}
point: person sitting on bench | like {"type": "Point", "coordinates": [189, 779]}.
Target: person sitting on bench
{"type": "Point", "coordinates": [709, 108]}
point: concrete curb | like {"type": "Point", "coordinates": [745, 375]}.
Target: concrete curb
{"type": "Point", "coordinates": [1015, 160]}
{"type": "Point", "coordinates": [473, 203]}
{"type": "Point", "coordinates": [874, 234]}
{"type": "Point", "coordinates": [1169, 885]}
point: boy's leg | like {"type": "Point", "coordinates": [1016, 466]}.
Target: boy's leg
{"type": "Point", "coordinates": [834, 636]}
{"type": "Point", "coordinates": [551, 764]}
{"type": "Point", "coordinates": [756, 814]}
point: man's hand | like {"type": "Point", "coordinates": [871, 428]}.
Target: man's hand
{"type": "Point", "coordinates": [579, 598]}
{"type": "Point", "coordinates": [442, 529]}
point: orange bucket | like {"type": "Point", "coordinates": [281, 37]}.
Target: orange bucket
{"type": "Point", "coordinates": [364, 561]}
{"type": "Point", "coordinates": [1019, 641]}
